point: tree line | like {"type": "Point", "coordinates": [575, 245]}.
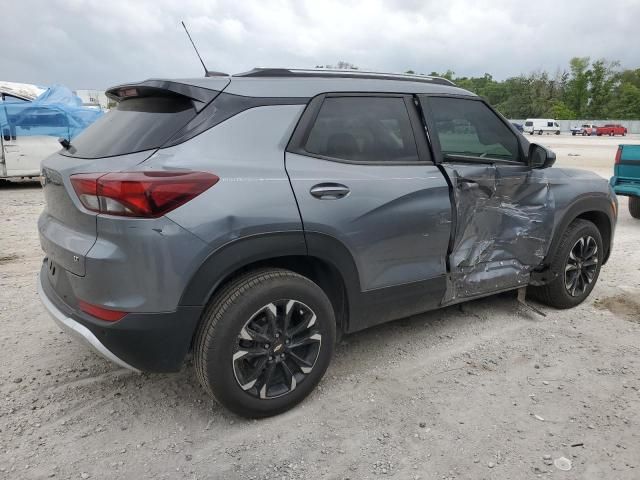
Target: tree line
{"type": "Point", "coordinates": [586, 90]}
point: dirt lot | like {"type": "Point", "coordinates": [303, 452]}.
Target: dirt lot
{"type": "Point", "coordinates": [486, 390]}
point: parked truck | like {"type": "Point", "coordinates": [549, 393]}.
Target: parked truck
{"type": "Point", "coordinates": [611, 130]}
{"type": "Point", "coordinates": [585, 129]}
{"type": "Point", "coordinates": [626, 176]}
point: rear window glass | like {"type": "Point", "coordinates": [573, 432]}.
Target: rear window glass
{"type": "Point", "coordinates": [136, 124]}
{"type": "Point", "coordinates": [528, 124]}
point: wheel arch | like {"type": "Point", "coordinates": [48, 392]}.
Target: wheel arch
{"type": "Point", "coordinates": [597, 209]}
{"type": "Point", "coordinates": [321, 258]}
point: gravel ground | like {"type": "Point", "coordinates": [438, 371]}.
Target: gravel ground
{"type": "Point", "coordinates": [483, 390]}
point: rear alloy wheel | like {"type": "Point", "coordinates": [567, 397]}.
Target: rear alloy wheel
{"type": "Point", "coordinates": [264, 342]}
{"type": "Point", "coordinates": [634, 207]}
{"type": "Point", "coordinates": [276, 349]}
{"type": "Point", "coordinates": [576, 266]}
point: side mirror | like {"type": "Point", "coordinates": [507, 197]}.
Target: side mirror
{"type": "Point", "coordinates": [540, 157]}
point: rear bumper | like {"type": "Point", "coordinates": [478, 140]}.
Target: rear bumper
{"type": "Point", "coordinates": [78, 330]}
{"type": "Point", "coordinates": [148, 342]}
{"type": "Point", "coordinates": [625, 189]}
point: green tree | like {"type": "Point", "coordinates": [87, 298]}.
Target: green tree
{"type": "Point", "coordinates": [561, 111]}
{"type": "Point", "coordinates": [586, 90]}
{"type": "Point", "coordinates": [577, 92]}
{"type": "Point", "coordinates": [603, 78]}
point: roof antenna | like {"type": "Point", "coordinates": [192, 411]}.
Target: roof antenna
{"type": "Point", "coordinates": [207, 73]}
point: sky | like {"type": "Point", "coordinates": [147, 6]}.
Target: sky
{"type": "Point", "coordinates": [94, 44]}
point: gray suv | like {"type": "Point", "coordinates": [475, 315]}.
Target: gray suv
{"type": "Point", "coordinates": [249, 220]}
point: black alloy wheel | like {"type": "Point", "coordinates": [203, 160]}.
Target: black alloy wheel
{"type": "Point", "coordinates": [574, 266]}
{"type": "Point", "coordinates": [265, 341]}
{"type": "Point", "coordinates": [582, 266]}
{"type": "Point", "coordinates": [276, 349]}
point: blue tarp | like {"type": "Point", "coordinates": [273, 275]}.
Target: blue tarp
{"type": "Point", "coordinates": [57, 112]}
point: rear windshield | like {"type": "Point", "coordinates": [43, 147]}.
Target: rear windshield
{"type": "Point", "coordinates": [137, 124]}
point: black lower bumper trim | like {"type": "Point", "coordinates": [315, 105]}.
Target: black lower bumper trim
{"type": "Point", "coordinates": [149, 342]}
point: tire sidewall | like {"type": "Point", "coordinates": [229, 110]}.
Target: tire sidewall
{"type": "Point", "coordinates": [218, 355]}
{"type": "Point", "coordinates": [634, 207]}
{"type": "Point", "coordinates": [563, 257]}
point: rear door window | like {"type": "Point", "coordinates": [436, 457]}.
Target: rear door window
{"type": "Point", "coordinates": [470, 128]}
{"type": "Point", "coordinates": [136, 124]}
{"type": "Point", "coordinates": [363, 129]}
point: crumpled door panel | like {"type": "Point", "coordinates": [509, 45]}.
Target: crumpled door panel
{"type": "Point", "coordinates": [504, 222]}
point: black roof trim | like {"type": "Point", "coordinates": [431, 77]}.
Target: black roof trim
{"type": "Point", "coordinates": [199, 94]}
{"type": "Point", "coordinates": [210, 73]}
{"type": "Point", "coordinates": [327, 73]}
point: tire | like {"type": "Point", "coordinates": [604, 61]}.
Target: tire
{"type": "Point", "coordinates": [573, 133]}
{"type": "Point", "coordinates": [634, 207]}
{"type": "Point", "coordinates": [584, 134]}
{"type": "Point", "coordinates": [557, 293]}
{"type": "Point", "coordinates": [558, 132]}
{"type": "Point", "coordinates": [540, 132]}
{"type": "Point", "coordinates": [611, 134]}
{"type": "Point", "coordinates": [246, 305]}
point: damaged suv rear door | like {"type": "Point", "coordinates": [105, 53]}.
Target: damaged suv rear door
{"type": "Point", "coordinates": [503, 209]}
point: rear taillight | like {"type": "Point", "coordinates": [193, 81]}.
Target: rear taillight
{"type": "Point", "coordinates": [618, 155]}
{"type": "Point", "coordinates": [100, 312]}
{"type": "Point", "coordinates": [139, 194]}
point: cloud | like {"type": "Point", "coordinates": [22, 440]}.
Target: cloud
{"type": "Point", "coordinates": [94, 44]}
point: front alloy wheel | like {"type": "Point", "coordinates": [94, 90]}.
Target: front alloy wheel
{"type": "Point", "coordinates": [276, 349]}
{"type": "Point", "coordinates": [575, 266]}
{"type": "Point", "coordinates": [582, 266]}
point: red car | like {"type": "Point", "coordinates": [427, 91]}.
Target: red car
{"type": "Point", "coordinates": [611, 130]}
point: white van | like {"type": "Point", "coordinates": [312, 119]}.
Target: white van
{"type": "Point", "coordinates": [541, 125]}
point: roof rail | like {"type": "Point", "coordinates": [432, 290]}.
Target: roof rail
{"type": "Point", "coordinates": [341, 73]}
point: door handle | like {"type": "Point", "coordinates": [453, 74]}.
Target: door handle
{"type": "Point", "coordinates": [329, 191]}
{"type": "Point", "coordinates": [467, 184]}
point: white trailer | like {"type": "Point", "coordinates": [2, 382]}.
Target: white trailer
{"type": "Point", "coordinates": [20, 157]}
{"type": "Point", "coordinates": [31, 121]}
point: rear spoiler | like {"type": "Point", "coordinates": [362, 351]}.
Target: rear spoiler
{"type": "Point", "coordinates": [200, 96]}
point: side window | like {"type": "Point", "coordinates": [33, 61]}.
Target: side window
{"type": "Point", "coordinates": [371, 129]}
{"type": "Point", "coordinates": [470, 128]}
